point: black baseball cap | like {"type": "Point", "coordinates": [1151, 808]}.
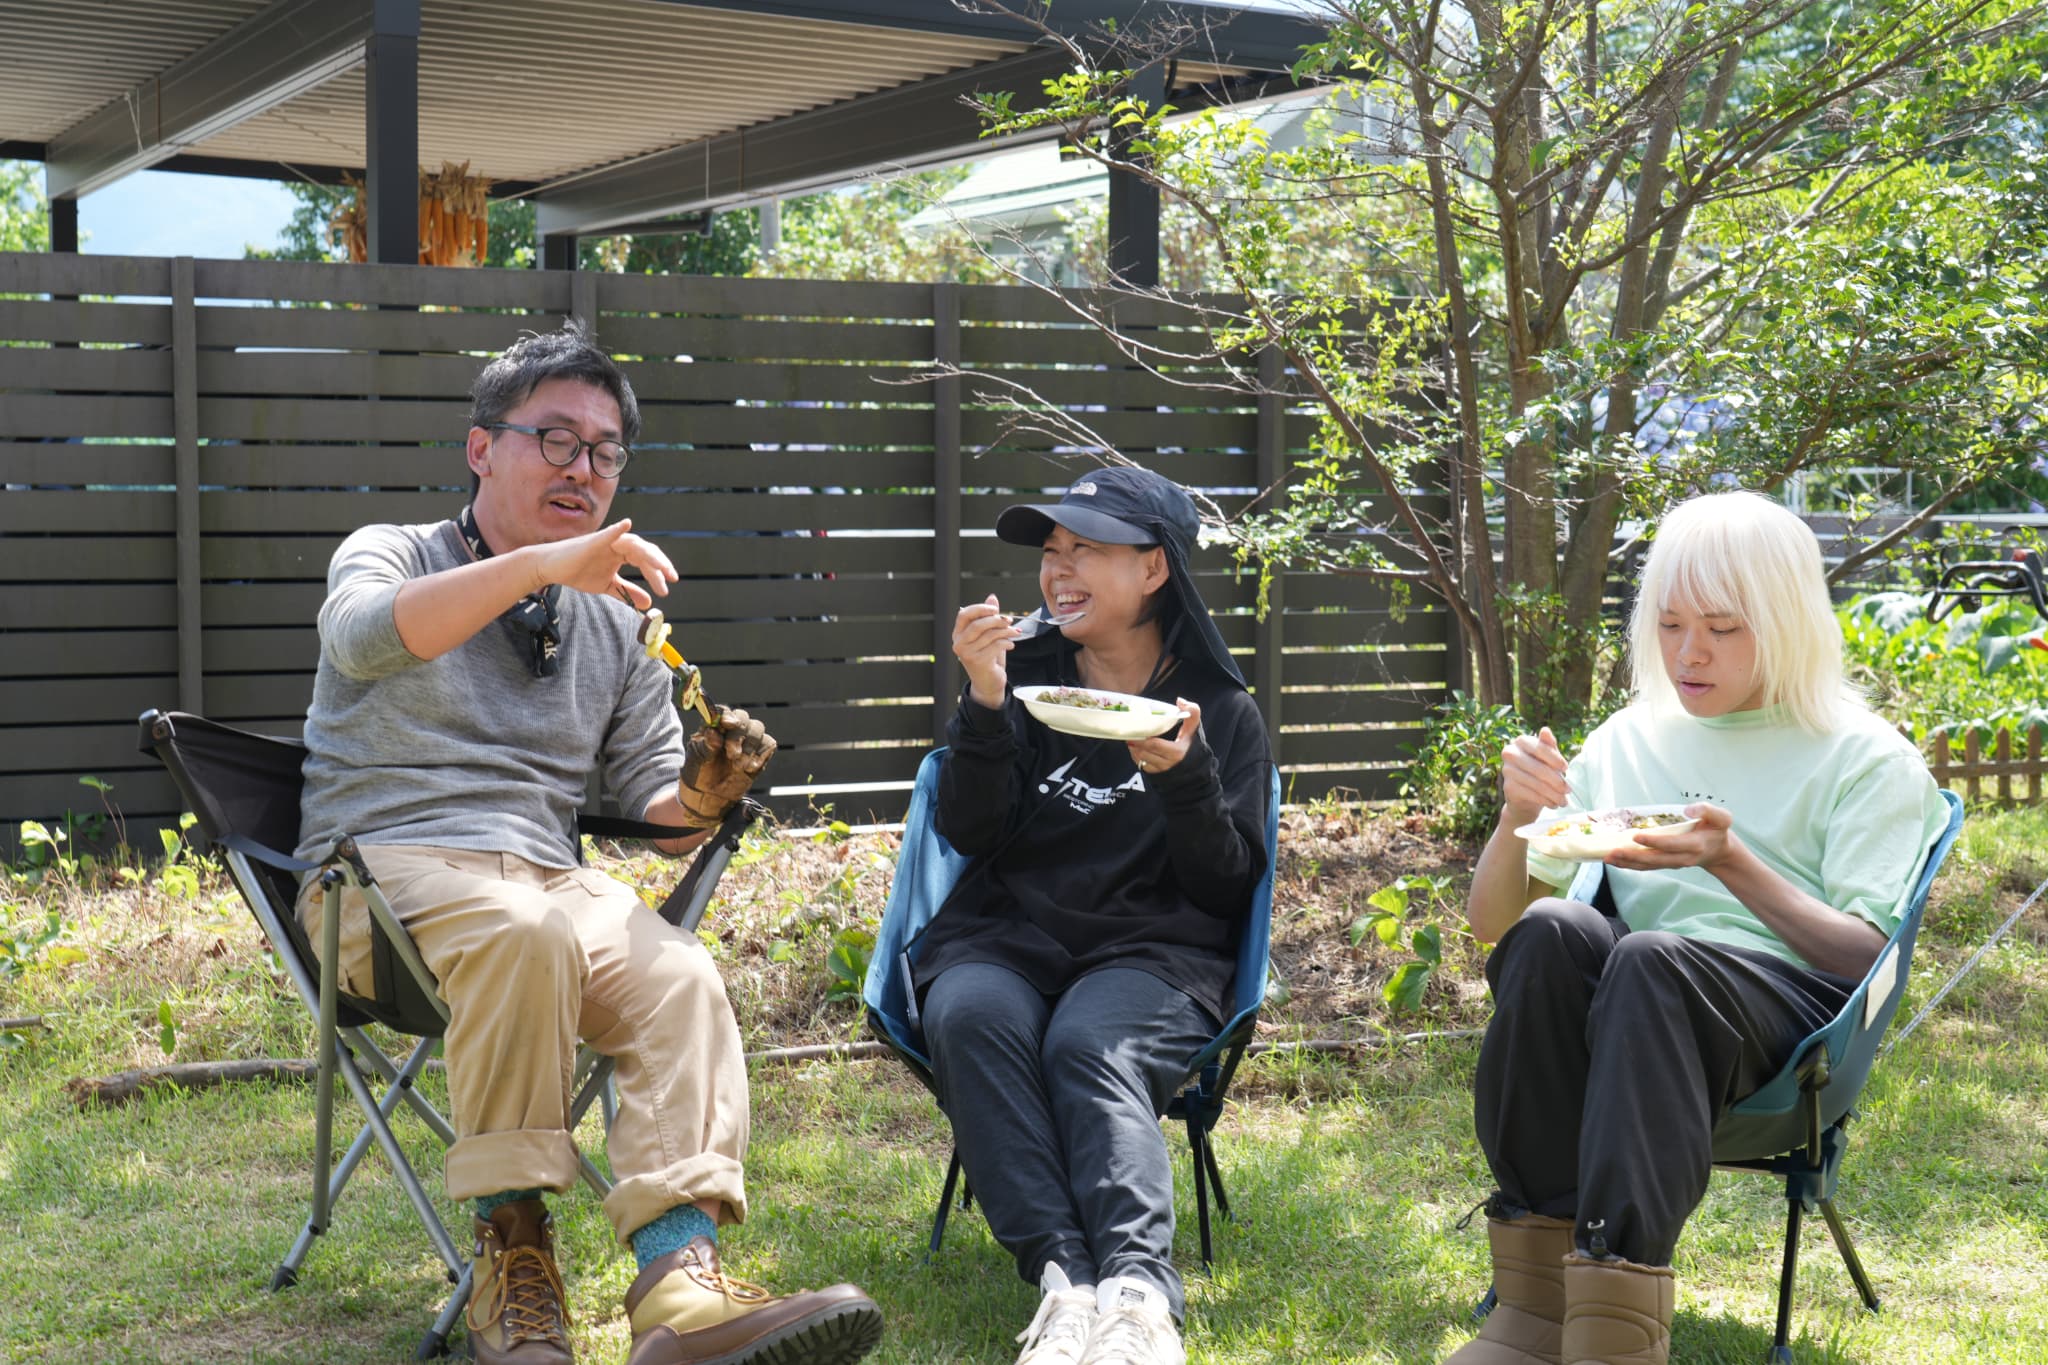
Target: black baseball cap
{"type": "Point", "coordinates": [1125, 505]}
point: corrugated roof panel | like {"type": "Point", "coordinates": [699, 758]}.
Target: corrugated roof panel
{"type": "Point", "coordinates": [521, 89]}
{"type": "Point", "coordinates": [61, 61]}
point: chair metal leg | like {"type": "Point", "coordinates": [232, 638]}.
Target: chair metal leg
{"type": "Point", "coordinates": [945, 1206]}
{"type": "Point", "coordinates": [1195, 1145]}
{"type": "Point", "coordinates": [400, 1167]}
{"type": "Point", "coordinates": [329, 1045]}
{"type": "Point", "coordinates": [405, 1079]}
{"type": "Point", "coordinates": [287, 1273]}
{"type": "Point", "coordinates": [1840, 1231]}
{"type": "Point", "coordinates": [1215, 1174]}
{"type": "Point", "coordinates": [435, 1343]}
{"type": "Point", "coordinates": [1781, 1350]}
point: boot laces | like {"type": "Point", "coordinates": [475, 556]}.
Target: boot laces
{"type": "Point", "coordinates": [1060, 1326]}
{"type": "Point", "coordinates": [527, 1296]}
{"type": "Point", "coordinates": [737, 1290]}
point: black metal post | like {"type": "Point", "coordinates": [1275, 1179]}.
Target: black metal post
{"type": "Point", "coordinates": [391, 133]}
{"type": "Point", "coordinates": [557, 252]}
{"type": "Point", "coordinates": [64, 225]}
{"type": "Point", "coordinates": [1134, 204]}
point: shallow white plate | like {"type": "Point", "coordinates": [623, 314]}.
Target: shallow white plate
{"type": "Point", "coordinates": [1143, 717]}
{"type": "Point", "coordinates": [1565, 835]}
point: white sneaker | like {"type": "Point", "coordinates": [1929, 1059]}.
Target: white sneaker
{"type": "Point", "coordinates": [1059, 1332]}
{"type": "Point", "coordinates": [1133, 1326]}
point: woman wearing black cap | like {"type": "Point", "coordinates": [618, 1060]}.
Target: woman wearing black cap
{"type": "Point", "coordinates": [1089, 952]}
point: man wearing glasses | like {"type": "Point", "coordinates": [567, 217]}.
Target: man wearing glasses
{"type": "Point", "coordinates": [473, 674]}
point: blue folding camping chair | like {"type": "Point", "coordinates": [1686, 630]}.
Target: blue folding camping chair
{"type": "Point", "coordinates": [1796, 1124]}
{"type": "Point", "coordinates": [926, 871]}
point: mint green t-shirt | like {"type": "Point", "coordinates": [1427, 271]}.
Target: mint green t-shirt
{"type": "Point", "coordinates": [1847, 817]}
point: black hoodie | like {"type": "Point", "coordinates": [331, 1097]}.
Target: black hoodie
{"type": "Point", "coordinates": [1094, 863]}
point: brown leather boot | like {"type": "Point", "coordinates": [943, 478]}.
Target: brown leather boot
{"type": "Point", "coordinates": [516, 1315]}
{"type": "Point", "coordinates": [1616, 1312]}
{"type": "Point", "coordinates": [685, 1310]}
{"type": "Point", "coordinates": [1526, 1326]}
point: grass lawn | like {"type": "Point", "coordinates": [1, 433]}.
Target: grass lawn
{"type": "Point", "coordinates": [149, 1232]}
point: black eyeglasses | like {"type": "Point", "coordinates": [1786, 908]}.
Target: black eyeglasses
{"type": "Point", "coordinates": [560, 446]}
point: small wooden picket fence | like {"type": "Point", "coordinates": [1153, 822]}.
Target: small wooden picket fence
{"type": "Point", "coordinates": [2003, 773]}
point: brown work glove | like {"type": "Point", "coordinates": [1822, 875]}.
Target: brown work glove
{"type": "Point", "coordinates": [720, 764]}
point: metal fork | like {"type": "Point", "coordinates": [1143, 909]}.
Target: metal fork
{"type": "Point", "coordinates": [1033, 624]}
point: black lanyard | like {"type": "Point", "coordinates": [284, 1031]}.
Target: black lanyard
{"type": "Point", "coordinates": [532, 619]}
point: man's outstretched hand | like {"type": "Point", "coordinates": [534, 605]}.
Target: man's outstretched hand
{"type": "Point", "coordinates": [720, 764]}
{"type": "Point", "coordinates": [594, 563]}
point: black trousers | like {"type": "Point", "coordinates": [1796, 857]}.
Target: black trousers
{"type": "Point", "coordinates": [1055, 1103]}
{"type": "Point", "coordinates": [1612, 1055]}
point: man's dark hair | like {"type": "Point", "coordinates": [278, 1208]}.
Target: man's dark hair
{"type": "Point", "coordinates": [566, 353]}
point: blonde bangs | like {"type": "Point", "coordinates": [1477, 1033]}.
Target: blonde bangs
{"type": "Point", "coordinates": [1744, 556]}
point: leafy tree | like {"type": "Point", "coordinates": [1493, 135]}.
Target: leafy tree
{"type": "Point", "coordinates": [859, 233]}
{"type": "Point", "coordinates": [24, 212]}
{"type": "Point", "coordinates": [1814, 225]}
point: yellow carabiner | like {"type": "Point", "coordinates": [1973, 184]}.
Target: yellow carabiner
{"type": "Point", "coordinates": [654, 635]}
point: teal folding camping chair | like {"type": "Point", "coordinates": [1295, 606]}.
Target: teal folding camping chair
{"type": "Point", "coordinates": [927, 868]}
{"type": "Point", "coordinates": [245, 789]}
{"type": "Point", "coordinates": [1796, 1125]}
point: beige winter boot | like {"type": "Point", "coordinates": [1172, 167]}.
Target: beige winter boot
{"type": "Point", "coordinates": [1526, 1326]}
{"type": "Point", "coordinates": [1616, 1312]}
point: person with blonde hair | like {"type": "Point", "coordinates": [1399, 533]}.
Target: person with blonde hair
{"type": "Point", "coordinates": [1620, 1037]}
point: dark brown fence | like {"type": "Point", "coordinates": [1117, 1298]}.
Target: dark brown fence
{"type": "Point", "coordinates": [183, 444]}
{"type": "Point", "coordinates": [2009, 775]}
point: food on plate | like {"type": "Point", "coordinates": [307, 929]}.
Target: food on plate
{"type": "Point", "coordinates": [1082, 698]}
{"type": "Point", "coordinates": [1609, 820]}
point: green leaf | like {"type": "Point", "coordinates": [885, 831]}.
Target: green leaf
{"type": "Point", "coordinates": [65, 955]}
{"type": "Point", "coordinates": [1429, 944]}
{"type": "Point", "coordinates": [167, 1035]}
{"type": "Point", "coordinates": [1392, 899]}
{"type": "Point", "coordinates": [1403, 990]}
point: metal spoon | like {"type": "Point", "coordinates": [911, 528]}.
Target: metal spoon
{"type": "Point", "coordinates": [1033, 624]}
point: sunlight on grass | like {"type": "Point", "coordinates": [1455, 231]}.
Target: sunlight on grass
{"type": "Point", "coordinates": [1349, 1174]}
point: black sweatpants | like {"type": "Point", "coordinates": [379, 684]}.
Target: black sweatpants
{"type": "Point", "coordinates": [1612, 1055]}
{"type": "Point", "coordinates": [1055, 1103]}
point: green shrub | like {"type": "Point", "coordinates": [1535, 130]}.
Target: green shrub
{"type": "Point", "coordinates": [1980, 670]}
{"type": "Point", "coordinates": [1455, 778]}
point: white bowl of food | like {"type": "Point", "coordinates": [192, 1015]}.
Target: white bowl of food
{"type": "Point", "coordinates": [1096, 714]}
{"type": "Point", "coordinates": [1588, 836]}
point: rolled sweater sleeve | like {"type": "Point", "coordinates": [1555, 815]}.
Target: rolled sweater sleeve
{"type": "Point", "coordinates": [358, 631]}
{"type": "Point", "coordinates": [1215, 823]}
{"type": "Point", "coordinates": [977, 781]}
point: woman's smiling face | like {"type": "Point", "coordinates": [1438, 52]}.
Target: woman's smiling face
{"type": "Point", "coordinates": [1710, 659]}
{"type": "Point", "coordinates": [1109, 582]}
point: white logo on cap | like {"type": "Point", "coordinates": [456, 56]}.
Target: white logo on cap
{"type": "Point", "coordinates": [1081, 490]}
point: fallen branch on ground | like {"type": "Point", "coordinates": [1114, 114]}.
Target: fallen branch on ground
{"type": "Point", "coordinates": [124, 1086]}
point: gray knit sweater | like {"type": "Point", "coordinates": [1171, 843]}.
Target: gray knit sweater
{"type": "Point", "coordinates": [471, 750]}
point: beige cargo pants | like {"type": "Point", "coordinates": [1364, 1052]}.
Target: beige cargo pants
{"type": "Point", "coordinates": [531, 959]}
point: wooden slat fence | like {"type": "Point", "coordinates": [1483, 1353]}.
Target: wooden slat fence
{"type": "Point", "coordinates": [184, 443]}
{"type": "Point", "coordinates": [2003, 776]}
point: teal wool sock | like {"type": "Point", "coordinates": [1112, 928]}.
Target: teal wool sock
{"type": "Point", "coordinates": [491, 1203]}
{"type": "Point", "coordinates": [672, 1232]}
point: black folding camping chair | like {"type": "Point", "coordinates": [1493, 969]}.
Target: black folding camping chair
{"type": "Point", "coordinates": [245, 789]}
